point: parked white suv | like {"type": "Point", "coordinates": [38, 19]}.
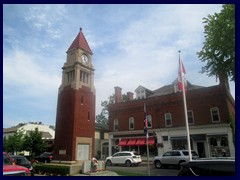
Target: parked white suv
{"type": "Point", "coordinates": [127, 158]}
{"type": "Point", "coordinates": [174, 157]}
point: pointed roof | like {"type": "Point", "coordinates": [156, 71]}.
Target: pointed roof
{"type": "Point", "coordinates": [80, 42]}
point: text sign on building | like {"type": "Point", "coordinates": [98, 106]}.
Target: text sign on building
{"type": "Point", "coordinates": [62, 151]}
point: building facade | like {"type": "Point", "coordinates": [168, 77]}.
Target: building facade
{"type": "Point", "coordinates": [101, 140]}
{"type": "Point", "coordinates": [208, 109]}
{"type": "Point", "coordinates": [75, 120]}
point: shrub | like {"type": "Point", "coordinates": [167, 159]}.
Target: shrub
{"type": "Point", "coordinates": [53, 170]}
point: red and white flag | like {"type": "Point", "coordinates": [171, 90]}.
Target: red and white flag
{"type": "Point", "coordinates": [182, 81]}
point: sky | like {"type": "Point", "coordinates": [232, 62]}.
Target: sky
{"type": "Point", "coordinates": [132, 45]}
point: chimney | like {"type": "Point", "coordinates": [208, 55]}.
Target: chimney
{"type": "Point", "coordinates": [130, 96]}
{"type": "Point", "coordinates": [118, 94]}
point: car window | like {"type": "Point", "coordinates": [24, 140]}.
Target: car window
{"type": "Point", "coordinates": [116, 155]}
{"type": "Point", "coordinates": [136, 153]}
{"type": "Point", "coordinates": [176, 153]}
{"type": "Point", "coordinates": [125, 154]}
{"type": "Point", "coordinates": [167, 153]}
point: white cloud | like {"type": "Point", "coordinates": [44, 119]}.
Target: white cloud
{"type": "Point", "coordinates": [20, 70]}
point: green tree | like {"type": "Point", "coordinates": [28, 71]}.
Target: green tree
{"type": "Point", "coordinates": [14, 143]}
{"type": "Point", "coordinates": [219, 47]}
{"type": "Point", "coordinates": [102, 118]}
{"type": "Point", "coordinates": [34, 143]}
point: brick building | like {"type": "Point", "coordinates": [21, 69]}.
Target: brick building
{"type": "Point", "coordinates": [209, 109]}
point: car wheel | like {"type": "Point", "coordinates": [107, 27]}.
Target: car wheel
{"type": "Point", "coordinates": [108, 163]}
{"type": "Point", "coordinates": [128, 163]}
{"type": "Point", "coordinates": [158, 164]}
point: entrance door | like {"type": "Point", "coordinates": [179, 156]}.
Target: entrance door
{"type": "Point", "coordinates": [201, 150]}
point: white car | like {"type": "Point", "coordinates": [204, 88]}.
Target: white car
{"type": "Point", "coordinates": [174, 157]}
{"type": "Point", "coordinates": [127, 158]}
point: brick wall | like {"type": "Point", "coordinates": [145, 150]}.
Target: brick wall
{"type": "Point", "coordinates": [75, 118]}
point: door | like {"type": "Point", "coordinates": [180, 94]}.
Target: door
{"type": "Point", "coordinates": [201, 149]}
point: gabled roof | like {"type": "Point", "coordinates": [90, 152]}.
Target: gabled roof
{"type": "Point", "coordinates": [172, 88]}
{"type": "Point", "coordinates": [141, 87]}
{"type": "Point", "coordinates": [80, 42]}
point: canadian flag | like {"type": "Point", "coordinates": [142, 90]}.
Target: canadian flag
{"type": "Point", "coordinates": [182, 82]}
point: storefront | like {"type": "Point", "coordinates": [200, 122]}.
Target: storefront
{"type": "Point", "coordinates": [138, 144]}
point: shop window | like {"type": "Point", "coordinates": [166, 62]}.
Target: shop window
{"type": "Point", "coordinates": [224, 141]}
{"type": "Point", "coordinates": [213, 141]}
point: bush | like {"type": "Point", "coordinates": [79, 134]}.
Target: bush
{"type": "Point", "coordinates": [52, 170]}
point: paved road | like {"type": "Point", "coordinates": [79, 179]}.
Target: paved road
{"type": "Point", "coordinates": [143, 168]}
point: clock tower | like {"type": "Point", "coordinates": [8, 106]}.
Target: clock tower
{"type": "Point", "coordinates": [75, 118]}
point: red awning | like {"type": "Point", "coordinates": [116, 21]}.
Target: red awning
{"type": "Point", "coordinates": [140, 142]}
{"type": "Point", "coordinates": [123, 142]}
{"type": "Point", "coordinates": [131, 142]}
{"type": "Point", "coordinates": [151, 141]}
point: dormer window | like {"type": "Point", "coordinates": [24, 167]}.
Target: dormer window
{"type": "Point", "coordinates": [140, 93]}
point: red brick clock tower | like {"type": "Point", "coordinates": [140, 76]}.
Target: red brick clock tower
{"type": "Point", "coordinates": [75, 121]}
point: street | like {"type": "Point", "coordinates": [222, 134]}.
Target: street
{"type": "Point", "coordinates": [143, 168]}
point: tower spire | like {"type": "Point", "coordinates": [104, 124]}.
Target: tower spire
{"type": "Point", "coordinates": [80, 42]}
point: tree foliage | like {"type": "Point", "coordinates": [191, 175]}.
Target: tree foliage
{"type": "Point", "coordinates": [34, 143]}
{"type": "Point", "coordinates": [219, 47]}
{"type": "Point", "coordinates": [102, 118]}
{"type": "Point", "coordinates": [14, 143]}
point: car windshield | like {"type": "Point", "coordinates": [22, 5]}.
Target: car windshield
{"type": "Point", "coordinates": [6, 160]}
{"type": "Point", "coordinates": [20, 160]}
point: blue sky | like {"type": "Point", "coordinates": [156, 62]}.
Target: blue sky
{"type": "Point", "coordinates": [132, 45]}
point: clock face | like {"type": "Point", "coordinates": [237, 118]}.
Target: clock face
{"type": "Point", "coordinates": [84, 59]}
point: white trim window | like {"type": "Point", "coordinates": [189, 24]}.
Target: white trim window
{"type": "Point", "coordinates": [131, 123]}
{"type": "Point", "coordinates": [149, 119]}
{"type": "Point", "coordinates": [215, 114]}
{"type": "Point", "coordinates": [115, 125]}
{"type": "Point", "coordinates": [190, 117]}
{"type": "Point", "coordinates": [168, 119]}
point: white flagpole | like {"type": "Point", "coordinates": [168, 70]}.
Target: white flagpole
{"type": "Point", "coordinates": [185, 110]}
{"type": "Point", "coordinates": [145, 114]}
{"type": "Point", "coordinates": [148, 154]}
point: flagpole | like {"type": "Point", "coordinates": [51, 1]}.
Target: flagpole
{"type": "Point", "coordinates": [148, 154]}
{"type": "Point", "coordinates": [185, 110]}
{"type": "Point", "coordinates": [145, 129]}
